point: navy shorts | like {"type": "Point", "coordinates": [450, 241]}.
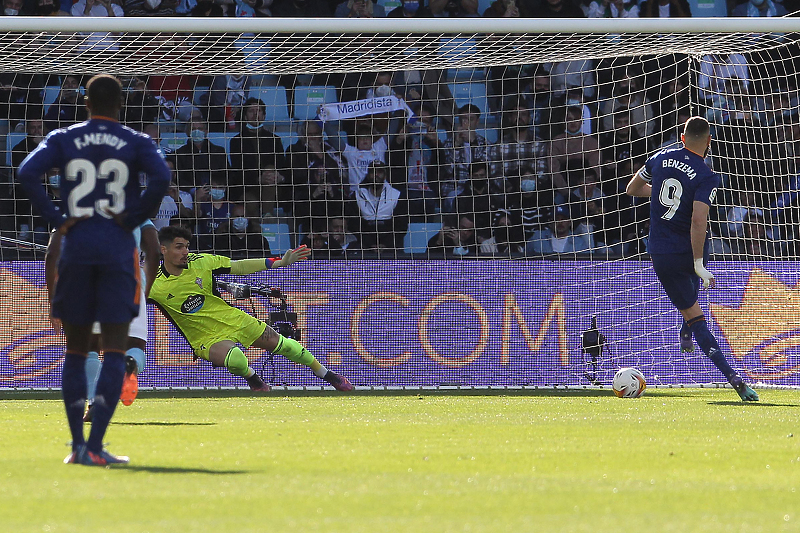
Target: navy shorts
{"type": "Point", "coordinates": [107, 293]}
{"type": "Point", "coordinates": [676, 274]}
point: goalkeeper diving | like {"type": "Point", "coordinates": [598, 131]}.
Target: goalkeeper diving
{"type": "Point", "coordinates": [184, 290]}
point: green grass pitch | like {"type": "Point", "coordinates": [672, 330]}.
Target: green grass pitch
{"type": "Point", "coordinates": [673, 460]}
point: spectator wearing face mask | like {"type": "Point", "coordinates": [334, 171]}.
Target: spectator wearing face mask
{"type": "Point", "coordinates": [759, 8]}
{"type": "Point", "coordinates": [11, 8]}
{"type": "Point", "coordinates": [198, 160]}
{"type": "Point", "coordinates": [212, 207]}
{"type": "Point", "coordinates": [237, 237]}
{"type": "Point", "coordinates": [256, 148]}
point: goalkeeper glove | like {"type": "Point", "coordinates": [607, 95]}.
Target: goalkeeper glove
{"type": "Point", "coordinates": [705, 275]}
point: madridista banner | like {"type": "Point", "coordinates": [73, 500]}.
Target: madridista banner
{"type": "Point", "coordinates": [456, 323]}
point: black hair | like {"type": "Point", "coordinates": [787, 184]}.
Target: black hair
{"type": "Point", "coordinates": [167, 234]}
{"type": "Point", "coordinates": [696, 128]}
{"type": "Point", "coordinates": [104, 92]}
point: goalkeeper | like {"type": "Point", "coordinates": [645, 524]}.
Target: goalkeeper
{"type": "Point", "coordinates": [185, 292]}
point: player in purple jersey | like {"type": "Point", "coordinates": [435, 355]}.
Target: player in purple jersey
{"type": "Point", "coordinates": [98, 271]}
{"type": "Point", "coordinates": [681, 189]}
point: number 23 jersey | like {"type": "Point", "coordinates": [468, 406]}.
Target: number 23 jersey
{"type": "Point", "coordinates": [99, 161]}
{"type": "Point", "coordinates": [679, 178]}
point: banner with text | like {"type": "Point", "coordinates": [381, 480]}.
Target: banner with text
{"type": "Point", "coordinates": [470, 323]}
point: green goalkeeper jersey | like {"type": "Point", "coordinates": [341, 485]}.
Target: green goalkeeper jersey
{"type": "Point", "coordinates": [191, 303]}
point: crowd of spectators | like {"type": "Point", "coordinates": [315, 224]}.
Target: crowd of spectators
{"type": "Point", "coordinates": [539, 171]}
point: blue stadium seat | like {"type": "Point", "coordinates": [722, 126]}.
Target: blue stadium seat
{"type": "Point", "coordinates": [13, 139]}
{"type": "Point", "coordinates": [200, 95]}
{"type": "Point", "coordinates": [483, 5]}
{"type": "Point", "coordinates": [275, 100]}
{"type": "Point", "coordinates": [255, 51]}
{"type": "Point", "coordinates": [308, 99]}
{"type": "Point", "coordinates": [470, 93]}
{"type": "Point", "coordinates": [389, 5]}
{"type": "Point", "coordinates": [491, 135]}
{"type": "Point", "coordinates": [173, 140]}
{"type": "Point", "coordinates": [466, 74]}
{"type": "Point", "coordinates": [50, 95]}
{"type": "Point", "coordinates": [419, 233]}
{"type": "Point", "coordinates": [288, 137]}
{"type": "Point", "coordinates": [278, 236]}
{"type": "Point", "coordinates": [455, 48]}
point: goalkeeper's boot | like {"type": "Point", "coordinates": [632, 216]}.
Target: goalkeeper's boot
{"type": "Point", "coordinates": [745, 393]}
{"type": "Point", "coordinates": [87, 416]}
{"type": "Point", "coordinates": [339, 382]}
{"type": "Point", "coordinates": [89, 458]}
{"type": "Point", "coordinates": [257, 384]}
{"type": "Point", "coordinates": [73, 458]}
{"type": "Point", "coordinates": [130, 384]}
{"type": "Point", "coordinates": [687, 346]}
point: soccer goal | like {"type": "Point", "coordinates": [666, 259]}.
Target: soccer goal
{"type": "Point", "coordinates": [459, 181]}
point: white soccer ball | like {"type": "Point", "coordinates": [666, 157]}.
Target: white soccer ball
{"type": "Point", "coordinates": [629, 383]}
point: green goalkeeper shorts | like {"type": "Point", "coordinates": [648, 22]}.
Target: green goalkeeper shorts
{"type": "Point", "coordinates": [248, 331]}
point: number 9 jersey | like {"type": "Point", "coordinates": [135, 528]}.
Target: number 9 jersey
{"type": "Point", "coordinates": [679, 178]}
{"type": "Point", "coordinates": [100, 161]}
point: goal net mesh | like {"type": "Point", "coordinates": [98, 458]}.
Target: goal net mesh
{"type": "Point", "coordinates": [462, 194]}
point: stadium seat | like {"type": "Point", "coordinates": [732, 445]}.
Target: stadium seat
{"type": "Point", "coordinates": [308, 99]}
{"type": "Point", "coordinates": [491, 135]}
{"type": "Point", "coordinates": [470, 93]}
{"type": "Point", "coordinates": [13, 139]}
{"type": "Point", "coordinates": [288, 137]}
{"type": "Point", "coordinates": [454, 48]}
{"type": "Point", "coordinates": [200, 95]}
{"type": "Point", "coordinates": [50, 95]}
{"type": "Point", "coordinates": [389, 5]}
{"type": "Point", "coordinates": [419, 233]}
{"type": "Point", "coordinates": [277, 108]}
{"type": "Point", "coordinates": [173, 140]}
{"type": "Point", "coordinates": [483, 5]}
{"type": "Point", "coordinates": [255, 51]}
{"type": "Point", "coordinates": [278, 236]}
{"type": "Point", "coordinates": [466, 74]}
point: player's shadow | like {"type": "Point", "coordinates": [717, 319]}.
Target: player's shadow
{"type": "Point", "coordinates": [179, 470]}
{"type": "Point", "coordinates": [753, 404]}
{"type": "Point", "coordinates": [160, 423]}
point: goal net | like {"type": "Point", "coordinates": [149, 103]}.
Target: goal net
{"type": "Point", "coordinates": [461, 183]}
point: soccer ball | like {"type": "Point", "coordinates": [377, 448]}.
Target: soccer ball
{"type": "Point", "coordinates": [628, 383]}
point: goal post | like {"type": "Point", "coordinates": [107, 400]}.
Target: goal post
{"type": "Point", "coordinates": [460, 182]}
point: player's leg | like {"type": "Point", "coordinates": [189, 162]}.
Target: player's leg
{"type": "Point", "coordinates": [93, 366]}
{"type": "Point", "coordinates": [227, 354]}
{"type": "Point", "coordinates": [109, 385]}
{"type": "Point", "coordinates": [76, 313]}
{"type": "Point", "coordinates": [135, 358]}
{"type": "Point", "coordinates": [676, 273]}
{"type": "Point", "coordinates": [274, 342]}
{"type": "Point", "coordinates": [117, 303]}
{"type": "Point", "coordinates": [73, 383]}
{"type": "Point", "coordinates": [696, 321]}
{"type": "Point", "coordinates": [687, 346]}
